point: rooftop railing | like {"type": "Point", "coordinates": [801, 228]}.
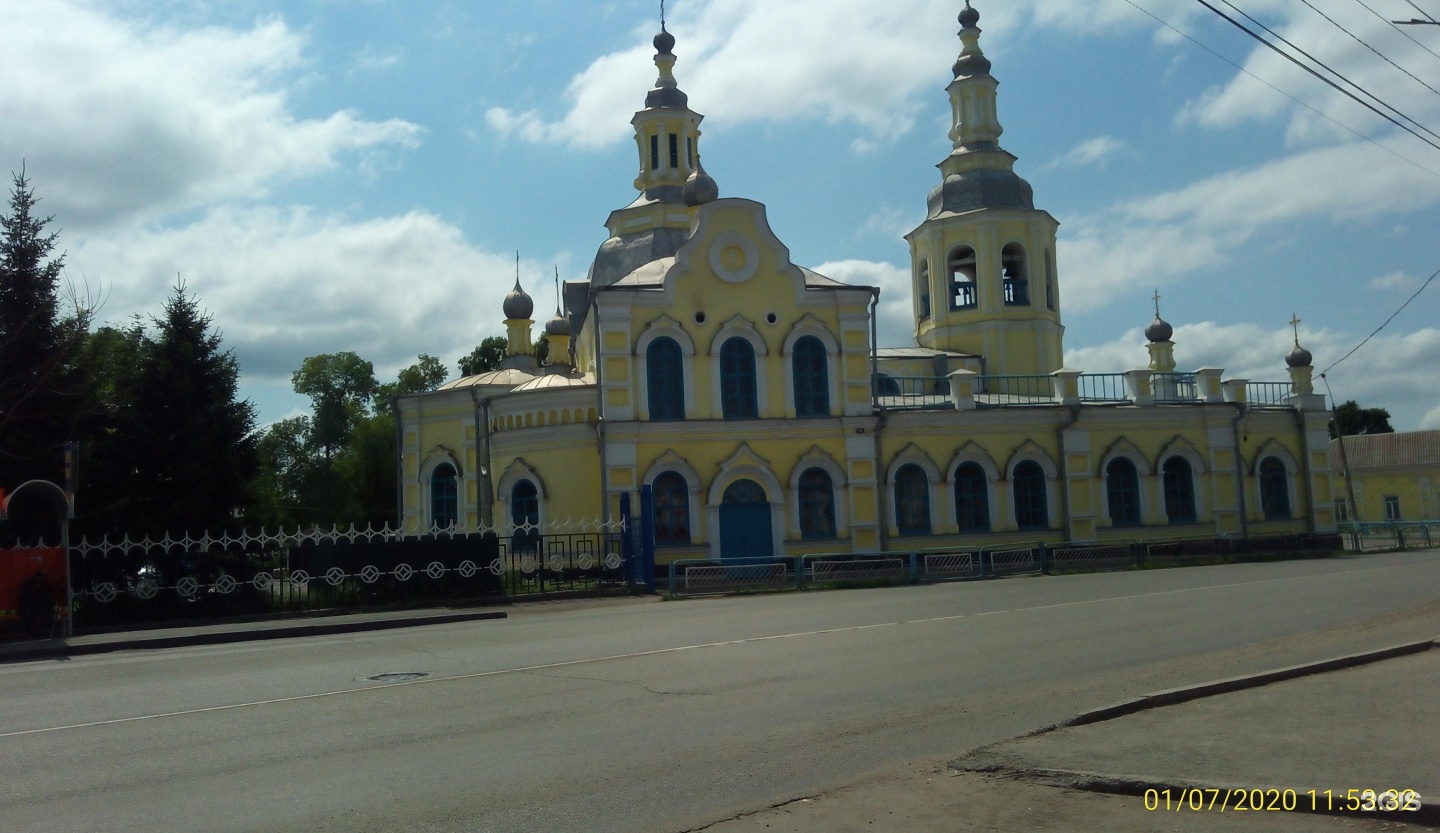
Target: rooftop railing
{"type": "Point", "coordinates": [1104, 387]}
{"type": "Point", "coordinates": [1269, 394]}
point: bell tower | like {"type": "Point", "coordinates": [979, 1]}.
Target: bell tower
{"type": "Point", "coordinates": [983, 262]}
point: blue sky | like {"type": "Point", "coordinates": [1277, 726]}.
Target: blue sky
{"type": "Point", "coordinates": [357, 174]}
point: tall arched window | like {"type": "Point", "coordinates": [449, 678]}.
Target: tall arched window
{"type": "Point", "coordinates": [672, 510]}
{"type": "Point", "coordinates": [1179, 491]}
{"type": "Point", "coordinates": [444, 497]}
{"type": "Point", "coordinates": [972, 498]}
{"type": "Point", "coordinates": [1031, 505]}
{"type": "Point", "coordinates": [817, 505]}
{"type": "Point", "coordinates": [1122, 492]}
{"type": "Point", "coordinates": [812, 378]}
{"type": "Point", "coordinates": [1274, 489]}
{"type": "Point", "coordinates": [665, 375]}
{"type": "Point", "coordinates": [1051, 290]}
{"type": "Point", "coordinates": [912, 500]}
{"type": "Point", "coordinates": [922, 291]}
{"type": "Point", "coordinates": [1016, 275]}
{"type": "Point", "coordinates": [737, 380]}
{"type": "Point", "coordinates": [525, 516]}
{"type": "Point", "coordinates": [961, 266]}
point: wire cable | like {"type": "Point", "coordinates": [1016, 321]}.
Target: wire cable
{"type": "Point", "coordinates": [1392, 25]}
{"type": "Point", "coordinates": [1292, 59]}
{"type": "Point", "coordinates": [1352, 131]}
{"type": "Point", "coordinates": [1421, 11]}
{"type": "Point", "coordinates": [1382, 55]}
{"type": "Point", "coordinates": [1422, 288]}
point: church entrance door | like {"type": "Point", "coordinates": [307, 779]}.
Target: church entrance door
{"type": "Point", "coordinates": [745, 530]}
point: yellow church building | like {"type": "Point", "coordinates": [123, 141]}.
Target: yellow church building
{"type": "Point", "coordinates": [748, 391]}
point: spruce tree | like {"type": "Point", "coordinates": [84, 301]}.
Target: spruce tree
{"type": "Point", "coordinates": [37, 390]}
{"type": "Point", "coordinates": [191, 438]}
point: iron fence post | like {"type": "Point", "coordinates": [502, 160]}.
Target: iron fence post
{"type": "Point", "coordinates": [627, 542]}
{"type": "Point", "coordinates": [647, 536]}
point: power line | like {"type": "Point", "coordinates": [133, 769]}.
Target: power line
{"type": "Point", "coordinates": [1421, 11]}
{"type": "Point", "coordinates": [1357, 134]}
{"type": "Point", "coordinates": [1292, 59]}
{"type": "Point", "coordinates": [1386, 324]}
{"type": "Point", "coordinates": [1392, 25]}
{"type": "Point", "coordinates": [1382, 55]}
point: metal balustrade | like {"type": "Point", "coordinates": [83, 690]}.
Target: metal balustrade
{"type": "Point", "coordinates": [1174, 387]}
{"type": "Point", "coordinates": [1104, 387]}
{"type": "Point", "coordinates": [1003, 391]}
{"type": "Point", "coordinates": [1268, 394]}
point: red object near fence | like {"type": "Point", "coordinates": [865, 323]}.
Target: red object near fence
{"type": "Point", "coordinates": [20, 566]}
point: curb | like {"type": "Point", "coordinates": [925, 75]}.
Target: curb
{"type": "Point", "coordinates": [61, 651]}
{"type": "Point", "coordinates": [1172, 696]}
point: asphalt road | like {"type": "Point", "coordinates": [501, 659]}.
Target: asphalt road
{"type": "Point", "coordinates": [649, 716]}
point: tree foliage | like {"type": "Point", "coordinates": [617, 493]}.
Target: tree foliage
{"type": "Point", "coordinates": [1354, 419]}
{"type": "Point", "coordinates": [339, 385]}
{"type": "Point", "coordinates": [484, 358]}
{"type": "Point", "coordinates": [38, 390]}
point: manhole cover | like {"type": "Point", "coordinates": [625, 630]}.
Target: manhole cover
{"type": "Point", "coordinates": [403, 676]}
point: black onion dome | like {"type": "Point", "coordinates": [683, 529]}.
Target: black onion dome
{"type": "Point", "coordinates": [700, 188]}
{"type": "Point", "coordinates": [969, 65]}
{"type": "Point", "coordinates": [558, 326]}
{"type": "Point", "coordinates": [518, 306]}
{"type": "Point", "coordinates": [665, 42]}
{"type": "Point", "coordinates": [1159, 331]}
{"type": "Point", "coordinates": [1299, 357]}
{"type": "Point", "coordinates": [969, 17]}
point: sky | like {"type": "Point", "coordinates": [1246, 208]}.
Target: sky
{"type": "Point", "coordinates": [329, 175]}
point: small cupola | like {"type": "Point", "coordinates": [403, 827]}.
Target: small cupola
{"type": "Point", "coordinates": [700, 188]}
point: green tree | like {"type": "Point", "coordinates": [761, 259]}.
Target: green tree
{"type": "Point", "coordinates": [1354, 419]}
{"type": "Point", "coordinates": [340, 385]}
{"type": "Point", "coordinates": [38, 391]}
{"type": "Point", "coordinates": [191, 438]}
{"type": "Point", "coordinates": [542, 349]}
{"type": "Point", "coordinates": [485, 358]}
{"type": "Point", "coordinates": [427, 374]}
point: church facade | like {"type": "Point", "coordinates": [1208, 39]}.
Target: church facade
{"type": "Point", "coordinates": [748, 392]}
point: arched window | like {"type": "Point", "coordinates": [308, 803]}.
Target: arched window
{"type": "Point", "coordinates": [525, 516]}
{"type": "Point", "coordinates": [812, 378]}
{"type": "Point", "coordinates": [886, 385]}
{"type": "Point", "coordinates": [817, 505]}
{"type": "Point", "coordinates": [1179, 491]}
{"type": "Point", "coordinates": [1028, 485]}
{"type": "Point", "coordinates": [444, 497]}
{"type": "Point", "coordinates": [972, 498]}
{"type": "Point", "coordinates": [672, 510]}
{"type": "Point", "coordinates": [961, 265]}
{"type": "Point", "coordinates": [737, 380]}
{"type": "Point", "coordinates": [1274, 489]}
{"type": "Point", "coordinates": [665, 375]}
{"type": "Point", "coordinates": [912, 501]}
{"type": "Point", "coordinates": [1016, 276]}
{"type": "Point", "coordinates": [923, 290]}
{"type": "Point", "coordinates": [1122, 491]}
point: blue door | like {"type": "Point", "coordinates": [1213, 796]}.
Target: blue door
{"type": "Point", "coordinates": [745, 530]}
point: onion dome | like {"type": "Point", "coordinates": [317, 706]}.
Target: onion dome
{"type": "Point", "coordinates": [972, 61]}
{"type": "Point", "coordinates": [1299, 357]}
{"type": "Point", "coordinates": [1159, 331]}
{"type": "Point", "coordinates": [700, 188]}
{"type": "Point", "coordinates": [559, 325]}
{"type": "Point", "coordinates": [667, 94]}
{"type": "Point", "coordinates": [664, 42]}
{"type": "Point", "coordinates": [518, 306]}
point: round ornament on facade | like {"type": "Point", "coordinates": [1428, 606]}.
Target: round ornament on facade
{"type": "Point", "coordinates": [771, 318]}
{"type": "Point", "coordinates": [699, 318]}
{"type": "Point", "coordinates": [734, 257]}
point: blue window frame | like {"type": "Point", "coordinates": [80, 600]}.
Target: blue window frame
{"type": "Point", "coordinates": [444, 497]}
{"type": "Point", "coordinates": [665, 374]}
{"type": "Point", "coordinates": [817, 505]}
{"type": "Point", "coordinates": [1274, 489]}
{"type": "Point", "coordinates": [1122, 491]}
{"type": "Point", "coordinates": [812, 378]}
{"type": "Point", "coordinates": [1032, 511]}
{"type": "Point", "coordinates": [1179, 491]}
{"type": "Point", "coordinates": [672, 510]}
{"type": "Point", "coordinates": [737, 380]}
{"type": "Point", "coordinates": [972, 498]}
{"type": "Point", "coordinates": [912, 501]}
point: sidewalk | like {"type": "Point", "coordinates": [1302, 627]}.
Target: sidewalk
{"type": "Point", "coordinates": [1374, 726]}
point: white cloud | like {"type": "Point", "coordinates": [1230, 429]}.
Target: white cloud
{"type": "Point", "coordinates": [1158, 238]}
{"type": "Point", "coordinates": [1431, 420]}
{"type": "Point", "coordinates": [895, 318]}
{"type": "Point", "coordinates": [284, 284]}
{"type": "Point", "coordinates": [890, 223]}
{"type": "Point", "coordinates": [1090, 152]}
{"type": "Point", "coordinates": [1394, 280]}
{"type": "Point", "coordinates": [1383, 374]}
{"type": "Point", "coordinates": [117, 120]}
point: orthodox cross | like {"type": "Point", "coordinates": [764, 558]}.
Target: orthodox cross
{"type": "Point", "coordinates": [662, 14]}
{"type": "Point", "coordinates": [1295, 323]}
{"type": "Point", "coordinates": [1157, 303]}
